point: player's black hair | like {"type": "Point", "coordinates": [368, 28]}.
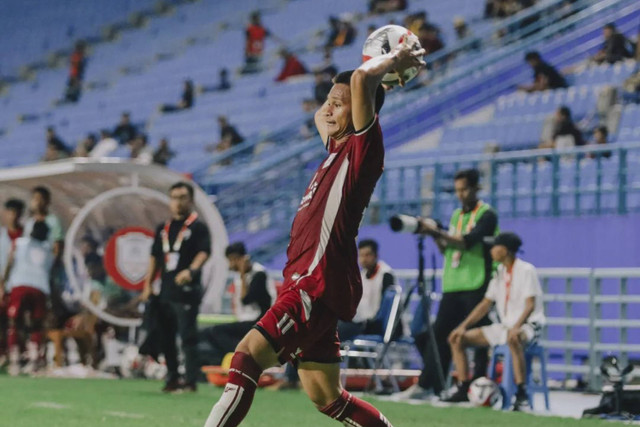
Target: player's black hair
{"type": "Point", "coordinates": [183, 184]}
{"type": "Point", "coordinates": [603, 130]}
{"type": "Point", "coordinates": [40, 231]}
{"type": "Point", "coordinates": [16, 205]}
{"type": "Point", "coordinates": [532, 55]}
{"type": "Point", "coordinates": [43, 191]}
{"type": "Point", "coordinates": [369, 243]}
{"type": "Point", "coordinates": [471, 175]}
{"type": "Point", "coordinates": [565, 111]}
{"type": "Point", "coordinates": [345, 78]}
{"type": "Point", "coordinates": [236, 248]}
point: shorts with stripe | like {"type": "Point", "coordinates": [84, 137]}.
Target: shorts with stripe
{"type": "Point", "coordinates": [299, 327]}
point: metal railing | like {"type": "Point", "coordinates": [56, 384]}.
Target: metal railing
{"type": "Point", "coordinates": [590, 313]}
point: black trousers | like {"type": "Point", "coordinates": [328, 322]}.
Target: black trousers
{"type": "Point", "coordinates": [178, 318]}
{"type": "Point", "coordinates": [454, 308]}
{"type": "Point", "coordinates": [224, 338]}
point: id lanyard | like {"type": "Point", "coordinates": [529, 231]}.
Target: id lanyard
{"type": "Point", "coordinates": [457, 255]}
{"type": "Point", "coordinates": [508, 276]}
{"type": "Point", "coordinates": [166, 248]}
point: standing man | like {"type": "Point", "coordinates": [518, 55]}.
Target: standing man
{"type": "Point", "coordinates": [26, 278]}
{"type": "Point", "coordinates": [252, 297]}
{"type": "Point", "coordinates": [181, 247]}
{"type": "Point", "coordinates": [10, 231]}
{"type": "Point", "coordinates": [467, 270]}
{"type": "Point", "coordinates": [321, 278]}
{"type": "Point", "coordinates": [376, 276]}
{"type": "Point", "coordinates": [517, 295]}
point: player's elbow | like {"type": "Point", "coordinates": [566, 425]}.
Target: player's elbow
{"type": "Point", "coordinates": [359, 79]}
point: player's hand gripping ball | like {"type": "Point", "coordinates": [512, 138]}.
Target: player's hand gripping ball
{"type": "Point", "coordinates": [384, 40]}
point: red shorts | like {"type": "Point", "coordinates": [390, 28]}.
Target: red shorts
{"type": "Point", "coordinates": [303, 328]}
{"type": "Point", "coordinates": [24, 298]}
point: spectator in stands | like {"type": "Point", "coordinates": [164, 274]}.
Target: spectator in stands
{"type": "Point", "coordinates": [631, 86]}
{"type": "Point", "coordinates": [308, 127]}
{"type": "Point", "coordinates": [370, 29]}
{"type": "Point", "coordinates": [253, 294]}
{"type": "Point", "coordinates": [223, 83]}
{"type": "Point", "coordinates": [229, 136]}
{"type": "Point", "coordinates": [565, 134]}
{"type": "Point", "coordinates": [461, 28]}
{"type": "Point", "coordinates": [504, 8]}
{"type": "Point", "coordinates": [616, 46]}
{"type": "Point", "coordinates": [516, 293]}
{"type": "Point", "coordinates": [140, 152]}
{"type": "Point", "coordinates": [385, 6]}
{"type": "Point", "coordinates": [323, 85]}
{"type": "Point", "coordinates": [342, 32]}
{"type": "Point", "coordinates": [327, 66]}
{"type": "Point", "coordinates": [105, 146]}
{"type": "Point", "coordinates": [163, 153]}
{"type": "Point", "coordinates": [545, 76]}
{"type": "Point", "coordinates": [429, 39]}
{"type": "Point", "coordinates": [180, 248]}
{"type": "Point", "coordinates": [377, 277]}
{"type": "Point", "coordinates": [76, 72]}
{"type": "Point", "coordinates": [291, 67]}
{"type": "Point", "coordinates": [125, 131]}
{"type": "Point", "coordinates": [256, 33]}
{"type": "Point", "coordinates": [26, 279]}
{"type": "Point", "coordinates": [186, 100]}
{"type": "Point", "coordinates": [56, 148]}
{"type": "Point", "coordinates": [600, 137]}
{"type": "Point", "coordinates": [413, 22]}
{"type": "Point", "coordinates": [85, 146]}
{"type": "Point", "coordinates": [467, 271]}
{"type": "Point", "coordinates": [10, 230]}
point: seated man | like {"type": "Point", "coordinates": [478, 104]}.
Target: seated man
{"type": "Point", "coordinates": [376, 279]}
{"type": "Point", "coordinates": [516, 293]}
{"type": "Point", "coordinates": [253, 296]}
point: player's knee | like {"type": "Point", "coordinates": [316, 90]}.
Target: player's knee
{"type": "Point", "coordinates": [323, 401]}
{"type": "Point", "coordinates": [514, 342]}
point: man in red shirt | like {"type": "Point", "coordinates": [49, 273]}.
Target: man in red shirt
{"type": "Point", "coordinates": [292, 66]}
{"type": "Point", "coordinates": [321, 278]}
{"type": "Point", "coordinates": [254, 47]}
{"type": "Point", "coordinates": [9, 233]}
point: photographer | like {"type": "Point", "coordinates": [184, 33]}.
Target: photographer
{"type": "Point", "coordinates": [467, 271]}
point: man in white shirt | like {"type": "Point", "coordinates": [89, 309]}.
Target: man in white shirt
{"type": "Point", "coordinates": [376, 276]}
{"type": "Point", "coordinates": [515, 290]}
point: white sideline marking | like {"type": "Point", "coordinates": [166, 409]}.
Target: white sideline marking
{"type": "Point", "coordinates": [49, 405]}
{"type": "Point", "coordinates": [124, 414]}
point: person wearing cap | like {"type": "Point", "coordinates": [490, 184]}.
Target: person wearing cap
{"type": "Point", "coordinates": [516, 293]}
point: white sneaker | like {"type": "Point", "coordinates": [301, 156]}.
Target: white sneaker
{"type": "Point", "coordinates": [415, 392]}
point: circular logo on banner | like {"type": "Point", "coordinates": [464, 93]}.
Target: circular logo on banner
{"type": "Point", "coordinates": [126, 256]}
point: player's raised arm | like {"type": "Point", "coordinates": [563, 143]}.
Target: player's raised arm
{"type": "Point", "coordinates": [366, 79]}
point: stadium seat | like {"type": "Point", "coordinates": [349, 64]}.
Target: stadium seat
{"type": "Point", "coordinates": [508, 385]}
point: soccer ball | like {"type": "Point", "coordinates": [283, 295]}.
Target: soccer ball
{"type": "Point", "coordinates": [384, 40]}
{"type": "Point", "coordinates": [483, 392]}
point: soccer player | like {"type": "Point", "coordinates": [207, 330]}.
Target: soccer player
{"type": "Point", "coordinates": [321, 278]}
{"type": "Point", "coordinates": [26, 278]}
{"type": "Point", "coordinates": [516, 293]}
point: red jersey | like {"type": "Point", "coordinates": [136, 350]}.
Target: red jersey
{"type": "Point", "coordinates": [322, 254]}
{"type": "Point", "coordinates": [255, 39]}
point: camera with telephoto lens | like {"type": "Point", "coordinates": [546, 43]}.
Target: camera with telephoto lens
{"type": "Point", "coordinates": [401, 223]}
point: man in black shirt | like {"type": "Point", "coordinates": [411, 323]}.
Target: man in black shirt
{"type": "Point", "coordinates": [125, 132]}
{"type": "Point", "coordinates": [252, 297]}
{"type": "Point", "coordinates": [615, 48]}
{"type": "Point", "coordinates": [181, 247]}
{"type": "Point", "coordinates": [544, 75]}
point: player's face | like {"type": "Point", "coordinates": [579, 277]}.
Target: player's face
{"type": "Point", "coordinates": [499, 253]}
{"type": "Point", "coordinates": [180, 201]}
{"type": "Point", "coordinates": [9, 217]}
{"type": "Point", "coordinates": [234, 262]}
{"type": "Point", "coordinates": [336, 111]}
{"type": "Point", "coordinates": [367, 258]}
{"type": "Point", "coordinates": [38, 203]}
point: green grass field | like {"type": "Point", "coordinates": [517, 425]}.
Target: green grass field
{"type": "Point", "coordinates": [38, 402]}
